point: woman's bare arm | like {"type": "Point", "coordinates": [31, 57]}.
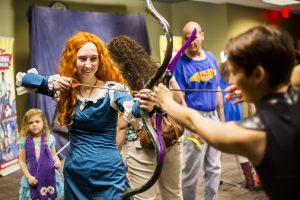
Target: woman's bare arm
{"type": "Point", "coordinates": [121, 132]}
{"type": "Point", "coordinates": [227, 137]}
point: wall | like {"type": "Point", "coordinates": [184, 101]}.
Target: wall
{"type": "Point", "coordinates": [219, 22]}
{"type": "Point", "coordinates": [6, 19]}
{"type": "Point", "coordinates": [211, 17]}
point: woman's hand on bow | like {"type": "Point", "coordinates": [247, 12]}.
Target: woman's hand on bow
{"type": "Point", "coordinates": [162, 96]}
{"type": "Point", "coordinates": [145, 99]}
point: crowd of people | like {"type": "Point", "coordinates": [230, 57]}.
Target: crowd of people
{"type": "Point", "coordinates": [92, 90]}
{"type": "Point", "coordinates": [260, 62]}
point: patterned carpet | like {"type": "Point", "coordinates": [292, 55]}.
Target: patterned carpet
{"type": "Point", "coordinates": [232, 186]}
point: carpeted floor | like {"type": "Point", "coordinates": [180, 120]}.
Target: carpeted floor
{"type": "Point", "coordinates": [231, 187]}
{"type": "Point", "coordinates": [9, 186]}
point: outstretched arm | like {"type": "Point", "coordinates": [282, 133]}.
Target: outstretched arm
{"type": "Point", "coordinates": [227, 137]}
{"type": "Point", "coordinates": [33, 82]}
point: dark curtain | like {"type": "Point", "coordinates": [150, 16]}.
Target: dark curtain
{"type": "Point", "coordinates": [50, 28]}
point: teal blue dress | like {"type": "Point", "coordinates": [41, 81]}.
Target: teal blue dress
{"type": "Point", "coordinates": [24, 189]}
{"type": "Point", "coordinates": [94, 168]}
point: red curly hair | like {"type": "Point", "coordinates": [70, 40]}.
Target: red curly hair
{"type": "Point", "coordinates": [107, 71]}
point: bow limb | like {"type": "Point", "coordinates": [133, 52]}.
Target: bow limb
{"type": "Point", "coordinates": [155, 137]}
{"type": "Point", "coordinates": [159, 147]}
{"type": "Point", "coordinates": [168, 54]}
{"type": "Point", "coordinates": [160, 157]}
{"type": "Point", "coordinates": [172, 64]}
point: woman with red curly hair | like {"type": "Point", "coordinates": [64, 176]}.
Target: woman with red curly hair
{"type": "Point", "coordinates": [94, 168]}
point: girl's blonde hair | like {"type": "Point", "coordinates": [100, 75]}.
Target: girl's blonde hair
{"type": "Point", "coordinates": [32, 112]}
{"type": "Point", "coordinates": [107, 71]}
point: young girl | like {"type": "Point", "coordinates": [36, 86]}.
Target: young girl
{"type": "Point", "coordinates": [38, 159]}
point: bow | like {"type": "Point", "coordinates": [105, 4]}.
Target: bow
{"type": "Point", "coordinates": [155, 137]}
{"type": "Point", "coordinates": [165, 70]}
{"type": "Point", "coordinates": [171, 67]}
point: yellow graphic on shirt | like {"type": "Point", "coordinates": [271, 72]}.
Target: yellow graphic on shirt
{"type": "Point", "coordinates": [203, 75]}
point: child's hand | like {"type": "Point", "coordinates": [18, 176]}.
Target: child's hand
{"type": "Point", "coordinates": [57, 164]}
{"type": "Point", "coordinates": [32, 180]}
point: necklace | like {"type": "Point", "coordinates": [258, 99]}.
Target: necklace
{"type": "Point", "coordinates": [82, 104]}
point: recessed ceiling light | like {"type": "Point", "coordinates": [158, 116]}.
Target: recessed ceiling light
{"type": "Point", "coordinates": [281, 2]}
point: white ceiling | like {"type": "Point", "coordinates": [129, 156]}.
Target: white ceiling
{"type": "Point", "coordinates": [250, 3]}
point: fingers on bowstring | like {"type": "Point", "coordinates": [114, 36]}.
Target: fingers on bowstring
{"type": "Point", "coordinates": [229, 96]}
{"type": "Point", "coordinates": [237, 101]}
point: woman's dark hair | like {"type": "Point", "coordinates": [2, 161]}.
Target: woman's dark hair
{"type": "Point", "coordinates": [134, 62]}
{"type": "Point", "coordinates": [267, 46]}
